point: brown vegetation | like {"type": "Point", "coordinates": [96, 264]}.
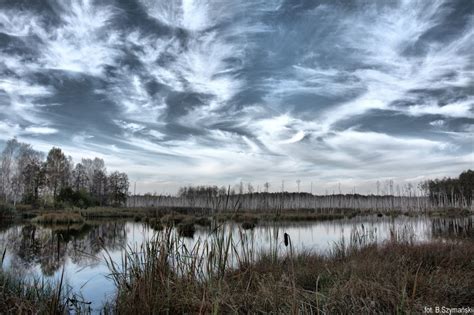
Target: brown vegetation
{"type": "Point", "coordinates": [397, 277]}
{"type": "Point", "coordinates": [19, 295]}
{"type": "Point", "coordinates": [59, 218]}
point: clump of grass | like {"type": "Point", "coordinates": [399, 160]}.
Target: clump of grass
{"type": "Point", "coordinates": [203, 221]}
{"type": "Point", "coordinates": [248, 225]}
{"type": "Point", "coordinates": [59, 218]}
{"type": "Point", "coordinates": [174, 219]}
{"type": "Point", "coordinates": [186, 229]}
{"type": "Point", "coordinates": [155, 224]}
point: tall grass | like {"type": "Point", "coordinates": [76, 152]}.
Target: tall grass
{"type": "Point", "coordinates": [19, 295]}
{"type": "Point", "coordinates": [226, 275]}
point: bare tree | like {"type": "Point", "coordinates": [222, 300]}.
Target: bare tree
{"type": "Point", "coordinates": [266, 186]}
{"type": "Point", "coordinates": [15, 158]}
{"type": "Point", "coordinates": [250, 188]}
{"type": "Point", "coordinates": [100, 187]}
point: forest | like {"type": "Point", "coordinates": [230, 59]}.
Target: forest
{"type": "Point", "coordinates": [54, 181]}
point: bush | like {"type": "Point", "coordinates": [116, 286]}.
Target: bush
{"type": "Point", "coordinates": [80, 198]}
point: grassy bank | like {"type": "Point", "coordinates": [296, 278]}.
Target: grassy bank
{"type": "Point", "coordinates": [397, 277]}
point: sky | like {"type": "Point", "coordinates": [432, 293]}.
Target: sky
{"type": "Point", "coordinates": [217, 92]}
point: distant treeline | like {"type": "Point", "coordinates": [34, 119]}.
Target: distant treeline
{"type": "Point", "coordinates": [451, 190]}
{"type": "Point", "coordinates": [281, 201]}
{"type": "Point", "coordinates": [54, 181]}
{"type": "Point", "coordinates": [432, 194]}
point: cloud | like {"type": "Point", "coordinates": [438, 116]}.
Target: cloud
{"type": "Point", "coordinates": [437, 123]}
{"type": "Point", "coordinates": [188, 14]}
{"type": "Point", "coordinates": [10, 130]}
{"type": "Point", "coordinates": [40, 130]}
{"type": "Point", "coordinates": [392, 72]}
{"type": "Point", "coordinates": [19, 99]}
{"type": "Point", "coordinates": [459, 109]}
{"type": "Point", "coordinates": [202, 91]}
{"type": "Point", "coordinates": [82, 42]}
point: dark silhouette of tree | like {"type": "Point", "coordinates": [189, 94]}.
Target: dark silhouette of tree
{"type": "Point", "coordinates": [451, 191]}
{"type": "Point", "coordinates": [33, 179]}
{"type": "Point", "coordinates": [100, 187]}
{"type": "Point", "coordinates": [118, 188]}
{"type": "Point", "coordinates": [80, 180]}
{"type": "Point", "coordinates": [57, 171]}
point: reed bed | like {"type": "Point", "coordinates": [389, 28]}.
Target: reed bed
{"type": "Point", "coordinates": [226, 275]}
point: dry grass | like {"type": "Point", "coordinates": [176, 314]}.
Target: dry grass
{"type": "Point", "coordinates": [399, 277]}
{"type": "Point", "coordinates": [59, 218]}
{"type": "Point", "coordinates": [19, 295]}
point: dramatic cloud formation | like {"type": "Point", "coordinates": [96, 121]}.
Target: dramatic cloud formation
{"type": "Point", "coordinates": [204, 92]}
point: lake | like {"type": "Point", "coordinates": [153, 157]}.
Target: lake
{"type": "Point", "coordinates": [44, 252]}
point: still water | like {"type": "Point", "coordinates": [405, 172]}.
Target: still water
{"type": "Point", "coordinates": [44, 252]}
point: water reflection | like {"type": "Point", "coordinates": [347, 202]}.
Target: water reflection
{"type": "Point", "coordinates": [47, 248]}
{"type": "Point", "coordinates": [79, 249]}
{"type": "Point", "coordinates": [453, 228]}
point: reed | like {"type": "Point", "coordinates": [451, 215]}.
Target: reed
{"type": "Point", "coordinates": [356, 276]}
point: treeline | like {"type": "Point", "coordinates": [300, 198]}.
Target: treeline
{"type": "Point", "coordinates": [54, 181]}
{"type": "Point", "coordinates": [451, 190]}
{"type": "Point", "coordinates": [282, 201]}
{"type": "Point", "coordinates": [432, 194]}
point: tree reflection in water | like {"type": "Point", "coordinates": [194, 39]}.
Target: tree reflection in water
{"type": "Point", "coordinates": [50, 246]}
{"type": "Point", "coordinates": [453, 228]}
